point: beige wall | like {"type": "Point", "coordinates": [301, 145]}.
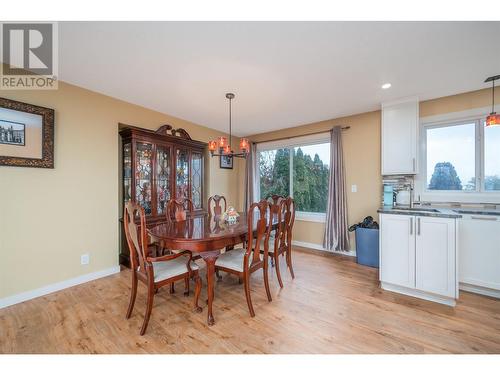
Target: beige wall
{"type": "Point", "coordinates": [49, 217]}
{"type": "Point", "coordinates": [362, 155]}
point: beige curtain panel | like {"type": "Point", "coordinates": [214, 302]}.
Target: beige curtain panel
{"type": "Point", "coordinates": [251, 176]}
{"type": "Point", "coordinates": [336, 230]}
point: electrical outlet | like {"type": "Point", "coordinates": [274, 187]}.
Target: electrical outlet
{"type": "Point", "coordinates": [85, 259]}
{"type": "Point", "coordinates": [354, 188]}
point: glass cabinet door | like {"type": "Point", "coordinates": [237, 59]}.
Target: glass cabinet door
{"type": "Point", "coordinates": [127, 172]}
{"type": "Point", "coordinates": [182, 174]}
{"type": "Point", "coordinates": [162, 178]}
{"type": "Point", "coordinates": [143, 176]}
{"type": "Point", "coordinates": [196, 179]}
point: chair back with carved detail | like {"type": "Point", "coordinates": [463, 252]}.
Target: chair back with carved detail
{"type": "Point", "coordinates": [278, 213]}
{"type": "Point", "coordinates": [178, 209]}
{"type": "Point", "coordinates": [275, 198]}
{"type": "Point", "coordinates": [288, 222]}
{"type": "Point", "coordinates": [136, 235]}
{"type": "Point", "coordinates": [259, 231]}
{"type": "Point", "coordinates": [215, 207]}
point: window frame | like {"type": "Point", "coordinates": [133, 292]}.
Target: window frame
{"type": "Point", "coordinates": [479, 195]}
{"type": "Point", "coordinates": [290, 144]}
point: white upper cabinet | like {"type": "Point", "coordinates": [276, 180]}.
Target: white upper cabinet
{"type": "Point", "coordinates": [400, 137]}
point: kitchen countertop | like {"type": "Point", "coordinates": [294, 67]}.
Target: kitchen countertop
{"type": "Point", "coordinates": [421, 211]}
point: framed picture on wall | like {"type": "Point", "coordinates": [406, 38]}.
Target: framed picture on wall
{"type": "Point", "coordinates": [26, 135]}
{"type": "Point", "coordinates": [226, 162]}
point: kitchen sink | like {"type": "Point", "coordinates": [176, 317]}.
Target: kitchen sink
{"type": "Point", "coordinates": [416, 209]}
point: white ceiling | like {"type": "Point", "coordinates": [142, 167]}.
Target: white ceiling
{"type": "Point", "coordinates": [283, 73]}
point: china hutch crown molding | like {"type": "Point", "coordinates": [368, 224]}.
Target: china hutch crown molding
{"type": "Point", "coordinates": [157, 166]}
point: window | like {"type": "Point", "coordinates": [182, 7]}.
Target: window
{"type": "Point", "coordinates": [451, 157]}
{"type": "Point", "coordinates": [461, 157]}
{"type": "Point", "coordinates": [492, 158]}
{"type": "Point", "coordinates": [299, 169]}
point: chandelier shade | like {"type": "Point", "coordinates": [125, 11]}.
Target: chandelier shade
{"type": "Point", "coordinates": [493, 119]}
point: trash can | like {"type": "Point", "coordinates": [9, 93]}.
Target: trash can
{"type": "Point", "coordinates": [367, 246]}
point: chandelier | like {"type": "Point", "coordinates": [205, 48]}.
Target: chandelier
{"type": "Point", "coordinates": [223, 147]}
{"type": "Point", "coordinates": [493, 119]}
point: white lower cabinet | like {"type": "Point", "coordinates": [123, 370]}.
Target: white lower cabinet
{"type": "Point", "coordinates": [479, 259]}
{"type": "Point", "coordinates": [418, 256]}
{"type": "Point", "coordinates": [397, 250]}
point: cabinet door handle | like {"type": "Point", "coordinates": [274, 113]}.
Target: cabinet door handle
{"type": "Point", "coordinates": [411, 226]}
{"type": "Point", "coordinates": [414, 165]}
{"type": "Point", "coordinates": [418, 226]}
{"type": "Point", "coordinates": [489, 218]}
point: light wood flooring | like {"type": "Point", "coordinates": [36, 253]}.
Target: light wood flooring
{"type": "Point", "coordinates": [333, 306]}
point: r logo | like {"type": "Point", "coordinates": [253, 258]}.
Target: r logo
{"type": "Point", "coordinates": [27, 48]}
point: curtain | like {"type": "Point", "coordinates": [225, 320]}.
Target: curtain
{"type": "Point", "coordinates": [336, 231]}
{"type": "Point", "coordinates": [251, 177]}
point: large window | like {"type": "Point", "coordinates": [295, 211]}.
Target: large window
{"type": "Point", "coordinates": [451, 154]}
{"type": "Point", "coordinates": [462, 157]}
{"type": "Point", "coordinates": [297, 170]}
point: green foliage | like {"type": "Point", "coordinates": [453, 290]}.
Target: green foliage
{"type": "Point", "coordinates": [492, 182]}
{"type": "Point", "coordinates": [310, 178]}
{"type": "Point", "coordinates": [445, 177]}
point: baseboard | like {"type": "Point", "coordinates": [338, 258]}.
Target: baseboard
{"type": "Point", "coordinates": [315, 246]}
{"type": "Point", "coordinates": [25, 296]}
{"type": "Point", "coordinates": [480, 290]}
{"type": "Point", "coordinates": [418, 294]}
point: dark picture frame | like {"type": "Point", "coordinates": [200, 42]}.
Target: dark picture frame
{"type": "Point", "coordinates": [226, 162]}
{"type": "Point", "coordinates": [47, 136]}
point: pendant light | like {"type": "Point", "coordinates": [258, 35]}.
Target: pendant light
{"type": "Point", "coordinates": [223, 146]}
{"type": "Point", "coordinates": [493, 119]}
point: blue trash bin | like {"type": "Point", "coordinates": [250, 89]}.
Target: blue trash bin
{"type": "Point", "coordinates": [367, 246]}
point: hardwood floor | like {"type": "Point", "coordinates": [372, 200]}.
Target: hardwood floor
{"type": "Point", "coordinates": [332, 306]}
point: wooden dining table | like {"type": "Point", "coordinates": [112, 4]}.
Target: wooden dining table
{"type": "Point", "coordinates": [204, 235]}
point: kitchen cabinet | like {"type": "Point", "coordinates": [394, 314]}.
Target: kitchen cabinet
{"type": "Point", "coordinates": [435, 264]}
{"type": "Point", "coordinates": [479, 254]}
{"type": "Point", "coordinates": [397, 259]}
{"type": "Point", "coordinates": [400, 137]}
{"type": "Point", "coordinates": [418, 256]}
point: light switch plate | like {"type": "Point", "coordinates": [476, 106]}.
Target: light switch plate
{"type": "Point", "coordinates": [85, 259]}
{"type": "Point", "coordinates": [354, 188]}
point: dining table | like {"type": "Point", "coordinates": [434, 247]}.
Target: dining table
{"type": "Point", "coordinates": [205, 235]}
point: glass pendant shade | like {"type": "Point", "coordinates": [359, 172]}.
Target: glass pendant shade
{"type": "Point", "coordinates": [222, 142]}
{"type": "Point", "coordinates": [493, 119]}
{"type": "Point", "coordinates": [212, 145]}
{"type": "Point", "coordinates": [244, 145]}
{"type": "Point", "coordinates": [227, 150]}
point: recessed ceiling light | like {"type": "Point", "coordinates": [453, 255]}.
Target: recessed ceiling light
{"type": "Point", "coordinates": [385, 86]}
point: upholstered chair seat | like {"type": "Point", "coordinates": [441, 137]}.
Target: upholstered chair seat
{"type": "Point", "coordinates": [233, 259]}
{"type": "Point", "coordinates": [166, 269]}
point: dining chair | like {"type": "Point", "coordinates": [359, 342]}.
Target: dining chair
{"type": "Point", "coordinates": [283, 210]}
{"type": "Point", "coordinates": [242, 262]}
{"type": "Point", "coordinates": [155, 272]}
{"type": "Point", "coordinates": [215, 209]}
{"type": "Point", "coordinates": [215, 206]}
{"type": "Point", "coordinates": [178, 209]}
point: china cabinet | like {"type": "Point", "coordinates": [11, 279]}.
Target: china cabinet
{"type": "Point", "coordinates": [159, 165]}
